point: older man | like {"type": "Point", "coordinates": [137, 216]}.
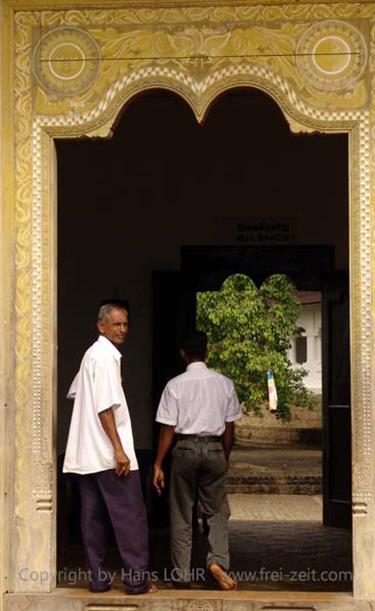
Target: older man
{"type": "Point", "coordinates": [100, 450]}
{"type": "Point", "coordinates": [198, 409]}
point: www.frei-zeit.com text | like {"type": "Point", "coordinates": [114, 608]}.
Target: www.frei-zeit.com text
{"type": "Point", "coordinates": [80, 575]}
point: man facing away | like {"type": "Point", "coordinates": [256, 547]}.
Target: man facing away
{"type": "Point", "coordinates": [100, 450]}
{"type": "Point", "coordinates": [198, 408]}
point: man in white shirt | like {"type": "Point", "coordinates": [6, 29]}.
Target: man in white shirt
{"type": "Point", "coordinates": [197, 409]}
{"type": "Point", "coordinates": [100, 450]}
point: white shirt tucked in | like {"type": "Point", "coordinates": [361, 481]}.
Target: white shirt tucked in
{"type": "Point", "coordinates": [199, 402]}
{"type": "Point", "coordinates": [97, 387]}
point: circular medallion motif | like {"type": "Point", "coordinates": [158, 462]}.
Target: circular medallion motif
{"type": "Point", "coordinates": [66, 61]}
{"type": "Point", "coordinates": [331, 55]}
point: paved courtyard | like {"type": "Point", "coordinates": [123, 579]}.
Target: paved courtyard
{"type": "Point", "coordinates": [275, 507]}
{"type": "Point", "coordinates": [277, 542]}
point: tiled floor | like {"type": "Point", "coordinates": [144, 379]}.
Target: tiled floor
{"type": "Point", "coordinates": [274, 507]}
{"type": "Point", "coordinates": [277, 541]}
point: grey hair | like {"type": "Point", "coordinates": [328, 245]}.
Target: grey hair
{"type": "Point", "coordinates": [107, 308]}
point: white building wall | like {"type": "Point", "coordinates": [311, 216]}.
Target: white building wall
{"type": "Point", "coordinates": [310, 320]}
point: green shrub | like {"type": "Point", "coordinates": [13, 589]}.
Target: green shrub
{"type": "Point", "coordinates": [249, 332]}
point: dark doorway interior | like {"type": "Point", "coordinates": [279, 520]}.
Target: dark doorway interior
{"type": "Point", "coordinates": [128, 206]}
{"type": "Point", "coordinates": [311, 268]}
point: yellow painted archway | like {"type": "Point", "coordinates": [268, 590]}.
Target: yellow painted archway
{"type": "Point", "coordinates": [69, 72]}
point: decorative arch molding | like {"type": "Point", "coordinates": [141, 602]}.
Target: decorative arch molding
{"type": "Point", "coordinates": [40, 117]}
{"type": "Point", "coordinates": [199, 94]}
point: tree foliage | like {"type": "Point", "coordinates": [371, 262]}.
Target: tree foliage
{"type": "Point", "coordinates": [248, 333]}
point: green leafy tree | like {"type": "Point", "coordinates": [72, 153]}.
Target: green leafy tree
{"type": "Point", "coordinates": [248, 333]}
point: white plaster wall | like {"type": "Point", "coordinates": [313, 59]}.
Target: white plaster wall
{"type": "Point", "coordinates": [310, 320]}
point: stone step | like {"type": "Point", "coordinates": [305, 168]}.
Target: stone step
{"type": "Point", "coordinates": [288, 435]}
{"type": "Point", "coordinates": [80, 599]}
{"type": "Point", "coordinates": [271, 484]}
{"type": "Point", "coordinates": [274, 469]}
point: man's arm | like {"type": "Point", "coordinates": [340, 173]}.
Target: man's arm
{"type": "Point", "coordinates": [227, 440]}
{"type": "Point", "coordinates": [164, 443]}
{"type": "Point", "coordinates": [107, 420]}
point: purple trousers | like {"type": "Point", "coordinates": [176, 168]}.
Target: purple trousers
{"type": "Point", "coordinates": [106, 496]}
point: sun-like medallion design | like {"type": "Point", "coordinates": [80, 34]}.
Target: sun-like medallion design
{"type": "Point", "coordinates": [331, 55]}
{"type": "Point", "coordinates": [66, 61]}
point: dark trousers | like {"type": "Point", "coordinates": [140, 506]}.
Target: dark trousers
{"type": "Point", "coordinates": [198, 468]}
{"type": "Point", "coordinates": [105, 496]}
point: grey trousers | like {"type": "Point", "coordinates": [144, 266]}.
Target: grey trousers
{"type": "Point", "coordinates": [198, 467]}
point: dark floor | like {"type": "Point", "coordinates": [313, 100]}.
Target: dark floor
{"type": "Point", "coordinates": [264, 556]}
{"type": "Point", "coordinates": [277, 542]}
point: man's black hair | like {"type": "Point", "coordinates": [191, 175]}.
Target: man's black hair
{"type": "Point", "coordinates": [195, 345]}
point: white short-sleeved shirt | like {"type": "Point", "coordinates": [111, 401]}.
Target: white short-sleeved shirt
{"type": "Point", "coordinates": [199, 402]}
{"type": "Point", "coordinates": [97, 387]}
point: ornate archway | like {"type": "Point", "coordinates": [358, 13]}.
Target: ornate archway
{"type": "Point", "coordinates": [74, 71]}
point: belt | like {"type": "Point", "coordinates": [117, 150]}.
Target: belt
{"type": "Point", "coordinates": [198, 438]}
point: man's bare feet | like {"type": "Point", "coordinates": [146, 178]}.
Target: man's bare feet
{"type": "Point", "coordinates": [150, 590]}
{"type": "Point", "coordinates": [223, 579]}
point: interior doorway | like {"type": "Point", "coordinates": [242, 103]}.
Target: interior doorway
{"type": "Point", "coordinates": [130, 206]}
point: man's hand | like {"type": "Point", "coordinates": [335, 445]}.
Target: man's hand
{"type": "Point", "coordinates": [158, 479]}
{"type": "Point", "coordinates": [165, 441]}
{"type": "Point", "coordinates": [227, 441]}
{"type": "Point", "coordinates": [122, 463]}
{"type": "Point", "coordinates": [107, 420]}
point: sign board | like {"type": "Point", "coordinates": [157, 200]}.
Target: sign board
{"type": "Point", "coordinates": [260, 231]}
